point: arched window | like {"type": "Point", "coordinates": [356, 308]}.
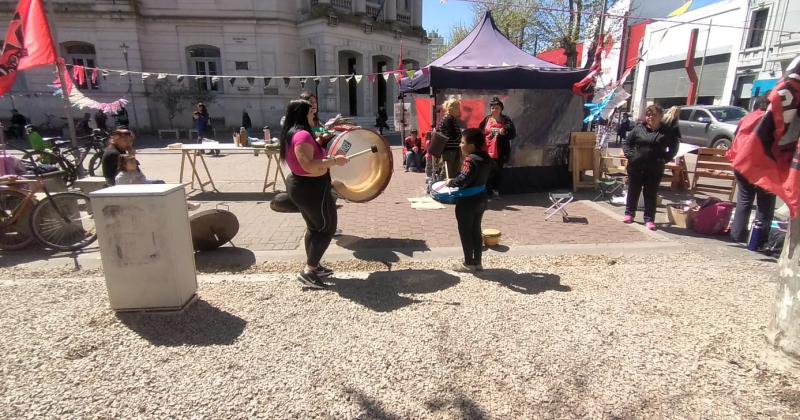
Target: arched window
{"type": "Point", "coordinates": [204, 60]}
{"type": "Point", "coordinates": [82, 54]}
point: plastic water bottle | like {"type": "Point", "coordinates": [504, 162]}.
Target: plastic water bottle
{"type": "Point", "coordinates": [267, 134]}
{"type": "Point", "coordinates": [755, 236]}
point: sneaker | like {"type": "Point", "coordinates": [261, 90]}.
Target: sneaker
{"type": "Point", "coordinates": [627, 219]}
{"type": "Point", "coordinates": [337, 233]}
{"type": "Point", "coordinates": [479, 267]}
{"type": "Point", "coordinates": [464, 268]}
{"type": "Point", "coordinates": [323, 272]}
{"type": "Point", "coordinates": [650, 225]}
{"type": "Point", "coordinates": [311, 280]}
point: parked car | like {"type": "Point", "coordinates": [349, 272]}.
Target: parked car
{"type": "Point", "coordinates": [709, 126]}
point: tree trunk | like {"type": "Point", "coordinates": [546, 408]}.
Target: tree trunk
{"type": "Point", "coordinates": [784, 327]}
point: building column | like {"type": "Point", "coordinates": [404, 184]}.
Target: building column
{"type": "Point", "coordinates": [360, 7]}
{"type": "Point", "coordinates": [391, 10]}
{"type": "Point", "coordinates": [327, 63]}
{"type": "Point", "coordinates": [416, 13]}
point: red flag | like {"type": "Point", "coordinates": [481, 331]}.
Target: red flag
{"type": "Point", "coordinates": [766, 150]}
{"type": "Point", "coordinates": [28, 43]}
{"type": "Point", "coordinates": [585, 87]}
{"type": "Point", "coordinates": [400, 73]}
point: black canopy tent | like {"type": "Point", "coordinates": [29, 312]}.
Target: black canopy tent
{"type": "Point", "coordinates": [538, 99]}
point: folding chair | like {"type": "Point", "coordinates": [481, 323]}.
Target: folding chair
{"type": "Point", "coordinates": [610, 187]}
{"type": "Point", "coordinates": [560, 202]}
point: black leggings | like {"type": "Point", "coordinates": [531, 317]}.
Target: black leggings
{"type": "Point", "coordinates": [496, 176]}
{"type": "Point", "coordinates": [469, 213]}
{"type": "Point", "coordinates": [312, 195]}
{"type": "Point", "coordinates": [645, 178]}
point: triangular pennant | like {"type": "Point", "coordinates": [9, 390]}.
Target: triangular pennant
{"type": "Point", "coordinates": [162, 76]}
{"type": "Point", "coordinates": [303, 83]}
{"type": "Point", "coordinates": [410, 73]}
{"type": "Point", "coordinates": [123, 73]}
{"type": "Point", "coordinates": [372, 78]}
{"type": "Point", "coordinates": [105, 74]}
{"type": "Point", "coordinates": [358, 78]}
{"type": "Point", "coordinates": [316, 81]}
{"type": "Point", "coordinates": [386, 76]}
{"type": "Point", "coordinates": [251, 80]}
{"type": "Point", "coordinates": [145, 76]}
{"type": "Point", "coordinates": [232, 81]}
{"type": "Point", "coordinates": [349, 78]}
{"type": "Point", "coordinates": [215, 79]}
{"type": "Point", "coordinates": [200, 77]}
{"type": "Point", "coordinates": [333, 79]}
{"type": "Point", "coordinates": [180, 78]}
{"type": "Point", "coordinates": [267, 80]}
{"type": "Point", "coordinates": [287, 81]}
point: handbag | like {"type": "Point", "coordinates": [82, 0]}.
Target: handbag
{"type": "Point", "coordinates": [437, 144]}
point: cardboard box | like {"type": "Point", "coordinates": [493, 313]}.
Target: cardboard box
{"type": "Point", "coordinates": [680, 217]}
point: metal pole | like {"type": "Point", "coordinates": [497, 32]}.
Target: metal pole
{"type": "Point", "coordinates": [703, 60]}
{"type": "Point", "coordinates": [130, 84]}
{"type": "Point", "coordinates": [60, 69]}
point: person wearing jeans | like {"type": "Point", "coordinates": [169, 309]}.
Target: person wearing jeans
{"type": "Point", "coordinates": [309, 187]}
{"type": "Point", "coordinates": [648, 147]}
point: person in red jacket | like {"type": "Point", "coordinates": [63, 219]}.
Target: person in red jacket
{"type": "Point", "coordinates": [499, 130]}
{"type": "Point", "coordinates": [747, 193]}
{"type": "Point", "coordinates": [414, 152]}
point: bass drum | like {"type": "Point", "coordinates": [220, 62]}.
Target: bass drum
{"type": "Point", "coordinates": [365, 176]}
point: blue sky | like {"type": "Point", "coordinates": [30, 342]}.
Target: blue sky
{"type": "Point", "coordinates": [441, 17]}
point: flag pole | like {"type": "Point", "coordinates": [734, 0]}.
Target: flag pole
{"type": "Point", "coordinates": [60, 69]}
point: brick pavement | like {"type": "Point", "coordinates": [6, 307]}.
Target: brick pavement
{"type": "Point", "coordinates": [388, 221]}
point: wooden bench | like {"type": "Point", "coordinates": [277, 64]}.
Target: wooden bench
{"type": "Point", "coordinates": [712, 163]}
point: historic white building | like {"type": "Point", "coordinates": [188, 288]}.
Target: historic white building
{"type": "Point", "coordinates": [241, 38]}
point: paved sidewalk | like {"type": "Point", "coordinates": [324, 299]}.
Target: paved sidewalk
{"type": "Point", "coordinates": [388, 222]}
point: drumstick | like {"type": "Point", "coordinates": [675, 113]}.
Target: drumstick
{"type": "Point", "coordinates": [373, 149]}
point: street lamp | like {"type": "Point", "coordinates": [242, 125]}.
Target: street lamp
{"type": "Point", "coordinates": [124, 48]}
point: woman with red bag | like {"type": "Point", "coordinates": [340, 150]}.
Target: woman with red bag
{"type": "Point", "coordinates": [499, 131]}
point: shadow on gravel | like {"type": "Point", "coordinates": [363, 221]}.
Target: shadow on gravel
{"type": "Point", "coordinates": [37, 253]}
{"type": "Point", "coordinates": [383, 250]}
{"type": "Point", "coordinates": [468, 408]}
{"type": "Point", "coordinates": [224, 259]}
{"type": "Point", "coordinates": [527, 283]}
{"type": "Point", "coordinates": [383, 291]}
{"type": "Point", "coordinates": [370, 407]}
{"type": "Point", "coordinates": [201, 324]}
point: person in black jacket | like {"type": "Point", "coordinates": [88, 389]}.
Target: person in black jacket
{"type": "Point", "coordinates": [648, 147]}
{"type": "Point", "coordinates": [449, 127]}
{"type": "Point", "coordinates": [499, 130]}
{"type": "Point", "coordinates": [471, 205]}
{"type": "Point", "coordinates": [120, 143]}
{"type": "Point", "coordinates": [246, 122]}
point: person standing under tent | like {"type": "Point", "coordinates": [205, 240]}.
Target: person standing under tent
{"type": "Point", "coordinates": [246, 123]}
{"type": "Point", "coordinates": [121, 118]}
{"type": "Point", "coordinates": [18, 123]}
{"type": "Point", "coordinates": [648, 147]}
{"type": "Point", "coordinates": [101, 120]}
{"type": "Point", "coordinates": [450, 128]}
{"type": "Point", "coordinates": [499, 130]}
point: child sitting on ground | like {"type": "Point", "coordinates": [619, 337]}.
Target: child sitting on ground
{"type": "Point", "coordinates": [472, 200]}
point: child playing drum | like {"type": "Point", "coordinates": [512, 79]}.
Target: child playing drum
{"type": "Point", "coordinates": [472, 200]}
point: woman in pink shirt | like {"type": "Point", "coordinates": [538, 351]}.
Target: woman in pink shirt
{"type": "Point", "coordinates": [309, 187]}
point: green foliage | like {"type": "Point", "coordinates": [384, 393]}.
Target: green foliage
{"type": "Point", "coordinates": [177, 97]}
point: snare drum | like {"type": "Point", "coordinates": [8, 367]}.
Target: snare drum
{"type": "Point", "coordinates": [444, 194]}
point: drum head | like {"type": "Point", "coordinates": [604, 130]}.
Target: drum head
{"type": "Point", "coordinates": [365, 176]}
{"type": "Point", "coordinates": [212, 228]}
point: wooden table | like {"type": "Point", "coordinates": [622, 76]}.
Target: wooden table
{"type": "Point", "coordinates": [190, 153]}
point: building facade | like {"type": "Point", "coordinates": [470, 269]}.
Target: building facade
{"type": "Point", "coordinates": [239, 38]}
{"type": "Point", "coordinates": [767, 47]}
{"type": "Point", "coordinates": [661, 77]}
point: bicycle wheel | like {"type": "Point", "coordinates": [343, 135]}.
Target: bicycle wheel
{"type": "Point", "coordinates": [64, 221]}
{"type": "Point", "coordinates": [46, 158]}
{"type": "Point", "coordinates": [95, 163]}
{"type": "Point", "coordinates": [14, 234]}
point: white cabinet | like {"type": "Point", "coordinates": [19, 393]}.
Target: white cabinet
{"type": "Point", "coordinates": [145, 245]}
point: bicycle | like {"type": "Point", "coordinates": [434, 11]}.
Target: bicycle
{"type": "Point", "coordinates": [70, 158]}
{"type": "Point", "coordinates": [60, 221]}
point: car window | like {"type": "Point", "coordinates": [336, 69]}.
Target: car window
{"type": "Point", "coordinates": [684, 115]}
{"type": "Point", "coordinates": [699, 113]}
{"type": "Point", "coordinates": [728, 114]}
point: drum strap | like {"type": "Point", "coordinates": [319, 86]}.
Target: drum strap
{"type": "Point", "coordinates": [471, 191]}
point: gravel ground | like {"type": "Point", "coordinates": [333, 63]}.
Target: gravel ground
{"type": "Point", "coordinates": [677, 336]}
